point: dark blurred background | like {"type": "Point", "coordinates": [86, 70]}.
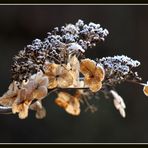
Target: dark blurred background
{"type": "Point", "coordinates": [128, 27]}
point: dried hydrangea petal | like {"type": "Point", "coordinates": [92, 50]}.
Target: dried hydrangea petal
{"type": "Point", "coordinates": [99, 72]}
{"type": "Point", "coordinates": [145, 89]}
{"type": "Point", "coordinates": [44, 81]}
{"type": "Point", "coordinates": [51, 69]}
{"type": "Point", "coordinates": [52, 83]}
{"type": "Point", "coordinates": [40, 93]}
{"type": "Point", "coordinates": [61, 102]}
{"type": "Point", "coordinates": [119, 103]}
{"type": "Point", "coordinates": [74, 67]}
{"type": "Point", "coordinates": [73, 107]}
{"type": "Point", "coordinates": [40, 110]}
{"type": "Point", "coordinates": [21, 109]}
{"type": "Point", "coordinates": [87, 66]}
{"type": "Point", "coordinates": [65, 80]}
{"type": "Point", "coordinates": [122, 112]}
{"type": "Point", "coordinates": [93, 74]}
{"type": "Point", "coordinates": [93, 84]}
{"type": "Point", "coordinates": [118, 98]}
{"type": "Point", "coordinates": [70, 103]}
{"type": "Point", "coordinates": [9, 97]}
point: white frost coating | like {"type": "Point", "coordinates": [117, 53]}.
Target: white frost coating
{"type": "Point", "coordinates": [119, 103]}
{"type": "Point", "coordinates": [71, 28]}
{"type": "Point", "coordinates": [80, 23]}
{"type": "Point", "coordinates": [75, 47]}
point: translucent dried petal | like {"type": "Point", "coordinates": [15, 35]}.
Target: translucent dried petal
{"type": "Point", "coordinates": [74, 63]}
{"type": "Point", "coordinates": [9, 97]}
{"type": "Point", "coordinates": [73, 107]}
{"type": "Point", "coordinates": [22, 109]}
{"type": "Point", "coordinates": [61, 102]}
{"type": "Point", "coordinates": [118, 98]}
{"type": "Point", "coordinates": [70, 103]}
{"type": "Point", "coordinates": [40, 93]}
{"type": "Point", "coordinates": [93, 74]}
{"type": "Point", "coordinates": [74, 67]}
{"type": "Point", "coordinates": [52, 83]}
{"type": "Point", "coordinates": [145, 89]}
{"type": "Point", "coordinates": [94, 84]}
{"type": "Point", "coordinates": [51, 69]}
{"type": "Point", "coordinates": [40, 110]}
{"type": "Point", "coordinates": [44, 81]}
{"type": "Point", "coordinates": [65, 80]}
{"type": "Point", "coordinates": [122, 112]}
{"type": "Point", "coordinates": [41, 113]}
{"type": "Point", "coordinates": [99, 73]}
{"type": "Point", "coordinates": [23, 94]}
{"type": "Point", "coordinates": [87, 66]}
{"type": "Point", "coordinates": [24, 112]}
{"type": "Point", "coordinates": [117, 104]}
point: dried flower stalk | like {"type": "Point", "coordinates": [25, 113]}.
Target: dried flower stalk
{"type": "Point", "coordinates": [58, 64]}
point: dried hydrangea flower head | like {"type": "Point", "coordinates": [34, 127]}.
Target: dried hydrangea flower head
{"type": "Point", "coordinates": [59, 64]}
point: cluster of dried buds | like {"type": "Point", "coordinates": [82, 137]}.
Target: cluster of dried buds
{"type": "Point", "coordinates": [58, 64]}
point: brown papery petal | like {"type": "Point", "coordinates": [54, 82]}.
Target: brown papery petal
{"type": "Point", "coordinates": [87, 66]}
{"type": "Point", "coordinates": [8, 98]}
{"type": "Point", "coordinates": [51, 69]}
{"type": "Point", "coordinates": [40, 110]}
{"type": "Point", "coordinates": [22, 94]}
{"type": "Point", "coordinates": [23, 113]}
{"type": "Point", "coordinates": [65, 80]}
{"type": "Point", "coordinates": [41, 113]}
{"type": "Point", "coordinates": [44, 81]}
{"type": "Point", "coordinates": [95, 86]}
{"type": "Point", "coordinates": [61, 102]}
{"type": "Point", "coordinates": [65, 96]}
{"type": "Point", "coordinates": [22, 108]}
{"type": "Point", "coordinates": [74, 63]}
{"type": "Point", "coordinates": [73, 107]}
{"type": "Point", "coordinates": [99, 73]}
{"type": "Point", "coordinates": [52, 83]}
{"type": "Point", "coordinates": [145, 90]}
{"type": "Point", "coordinates": [40, 93]}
